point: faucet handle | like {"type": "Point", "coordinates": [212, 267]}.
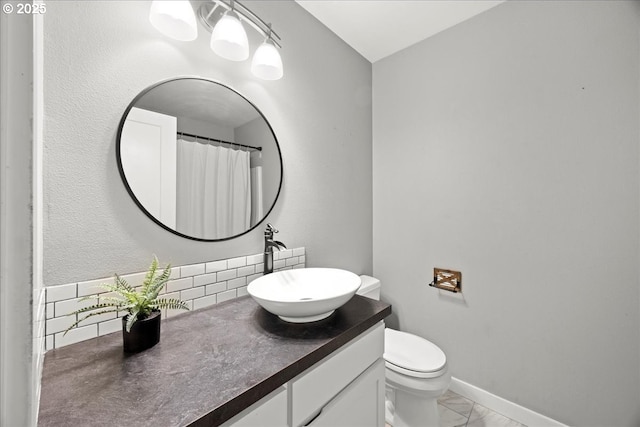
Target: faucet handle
{"type": "Point", "coordinates": [270, 229]}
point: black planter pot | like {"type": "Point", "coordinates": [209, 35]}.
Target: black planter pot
{"type": "Point", "coordinates": [144, 333]}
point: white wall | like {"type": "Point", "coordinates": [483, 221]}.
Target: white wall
{"type": "Point", "coordinates": [101, 54]}
{"type": "Point", "coordinates": [507, 147]}
{"type": "Point", "coordinates": [21, 324]}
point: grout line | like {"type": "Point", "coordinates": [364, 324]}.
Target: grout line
{"type": "Point", "coordinates": [470, 412]}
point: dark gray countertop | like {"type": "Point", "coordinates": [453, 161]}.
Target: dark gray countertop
{"type": "Point", "coordinates": [210, 364]}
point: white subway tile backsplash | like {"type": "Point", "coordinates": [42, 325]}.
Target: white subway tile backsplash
{"type": "Point", "coordinates": [212, 267]}
{"type": "Point", "coordinates": [192, 293]}
{"type": "Point", "coordinates": [237, 262]}
{"type": "Point", "coordinates": [246, 271]}
{"type": "Point", "coordinates": [192, 270]}
{"type": "Point", "coordinates": [179, 284]}
{"type": "Point", "coordinates": [236, 283]}
{"type": "Point", "coordinates": [109, 326]}
{"type": "Point", "coordinates": [50, 314]}
{"type": "Point", "coordinates": [205, 279]}
{"type": "Point", "coordinates": [173, 295]}
{"type": "Point", "coordinates": [105, 295]}
{"type": "Point", "coordinates": [97, 318]}
{"type": "Point", "coordinates": [59, 324]}
{"type": "Point", "coordinates": [284, 254]}
{"type": "Point", "coordinates": [204, 302]}
{"type": "Point", "coordinates": [62, 292]}
{"type": "Point", "coordinates": [227, 274]}
{"type": "Point", "coordinates": [92, 287]}
{"type": "Point", "coordinates": [215, 288]}
{"type": "Point", "coordinates": [199, 285]}
{"type": "Point", "coordinates": [71, 305]}
{"type": "Point", "coordinates": [226, 295]}
{"type": "Point", "coordinates": [76, 335]}
{"type": "Point", "coordinates": [136, 279]}
{"type": "Point", "coordinates": [254, 259]}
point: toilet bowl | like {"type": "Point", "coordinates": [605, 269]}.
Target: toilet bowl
{"type": "Point", "coordinates": [416, 373]}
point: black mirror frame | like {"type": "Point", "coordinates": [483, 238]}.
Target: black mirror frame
{"type": "Point", "coordinates": [132, 194]}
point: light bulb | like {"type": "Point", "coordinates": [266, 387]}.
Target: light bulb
{"type": "Point", "coordinates": [266, 63]}
{"type": "Point", "coordinates": [174, 19]}
{"type": "Point", "coordinates": [229, 39]}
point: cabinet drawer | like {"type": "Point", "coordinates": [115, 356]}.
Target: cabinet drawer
{"type": "Point", "coordinates": [314, 388]}
{"type": "Point", "coordinates": [270, 411]}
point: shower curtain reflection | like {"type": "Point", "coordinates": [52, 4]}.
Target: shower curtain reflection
{"type": "Point", "coordinates": [213, 190]}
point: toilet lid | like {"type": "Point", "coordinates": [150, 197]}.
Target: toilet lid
{"type": "Point", "coordinates": [411, 352]}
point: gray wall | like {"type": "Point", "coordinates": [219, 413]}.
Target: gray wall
{"type": "Point", "coordinates": [18, 363]}
{"type": "Point", "coordinates": [507, 147]}
{"type": "Point", "coordinates": [257, 133]}
{"type": "Point", "coordinates": [100, 54]}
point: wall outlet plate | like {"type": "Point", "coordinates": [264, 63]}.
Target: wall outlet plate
{"type": "Point", "coordinates": [448, 280]}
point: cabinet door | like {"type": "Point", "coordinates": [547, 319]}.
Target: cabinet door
{"type": "Point", "coordinates": [316, 387]}
{"type": "Point", "coordinates": [360, 404]}
{"type": "Point", "coordinates": [270, 411]}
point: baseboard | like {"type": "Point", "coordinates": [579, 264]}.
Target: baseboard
{"type": "Point", "coordinates": [502, 406]}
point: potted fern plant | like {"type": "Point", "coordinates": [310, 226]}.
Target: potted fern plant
{"type": "Point", "coordinates": [141, 326]}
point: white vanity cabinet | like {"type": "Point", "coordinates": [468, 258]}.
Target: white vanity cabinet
{"type": "Point", "coordinates": [270, 411]}
{"type": "Point", "coordinates": [358, 405]}
{"type": "Point", "coordinates": [344, 389]}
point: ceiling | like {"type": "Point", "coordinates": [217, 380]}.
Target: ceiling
{"type": "Point", "coordinates": [379, 28]}
{"type": "Point", "coordinates": [201, 100]}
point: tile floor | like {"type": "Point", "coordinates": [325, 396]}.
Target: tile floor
{"type": "Point", "coordinates": [458, 411]}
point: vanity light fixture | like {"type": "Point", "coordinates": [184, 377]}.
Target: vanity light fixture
{"type": "Point", "coordinates": [266, 63]}
{"type": "Point", "coordinates": [228, 38]}
{"type": "Point", "coordinates": [224, 19]}
{"type": "Point", "coordinates": [174, 19]}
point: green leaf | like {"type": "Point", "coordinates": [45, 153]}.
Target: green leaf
{"type": "Point", "coordinates": [112, 300]}
{"type": "Point", "coordinates": [138, 303]}
{"type": "Point", "coordinates": [133, 316]}
{"type": "Point", "coordinates": [121, 283]}
{"type": "Point", "coordinates": [88, 298]}
{"type": "Point", "coordinates": [87, 316]}
{"type": "Point", "coordinates": [94, 307]}
{"type": "Point", "coordinates": [171, 303]}
{"type": "Point", "coordinates": [117, 288]}
{"type": "Point", "coordinates": [159, 283]}
{"type": "Point", "coordinates": [148, 280]}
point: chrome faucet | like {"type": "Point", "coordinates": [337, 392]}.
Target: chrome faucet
{"type": "Point", "coordinates": [269, 245]}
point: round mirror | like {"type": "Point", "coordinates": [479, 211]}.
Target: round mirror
{"type": "Point", "coordinates": [199, 159]}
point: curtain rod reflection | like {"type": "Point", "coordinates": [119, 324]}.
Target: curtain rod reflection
{"type": "Point", "coordinates": [219, 140]}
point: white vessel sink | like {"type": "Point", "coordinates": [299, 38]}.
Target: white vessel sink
{"type": "Point", "coordinates": [305, 294]}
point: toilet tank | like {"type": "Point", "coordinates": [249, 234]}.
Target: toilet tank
{"type": "Point", "coordinates": [369, 288]}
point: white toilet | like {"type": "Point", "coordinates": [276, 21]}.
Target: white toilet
{"type": "Point", "coordinates": [416, 373]}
